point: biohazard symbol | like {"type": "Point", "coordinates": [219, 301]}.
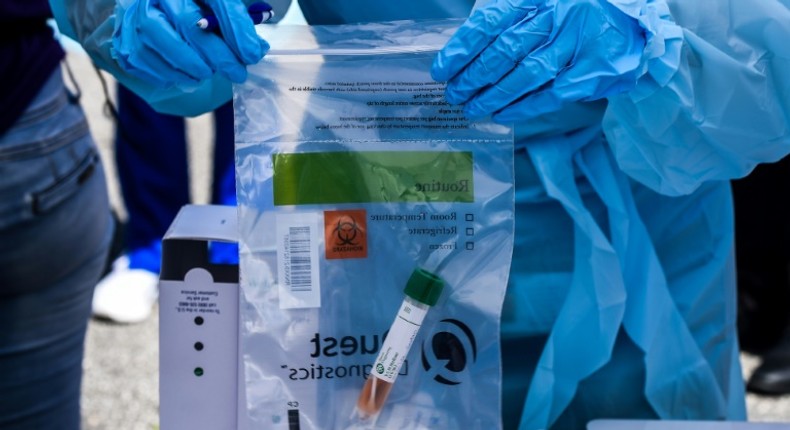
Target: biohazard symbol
{"type": "Point", "coordinates": [345, 234]}
{"type": "Point", "coordinates": [346, 230]}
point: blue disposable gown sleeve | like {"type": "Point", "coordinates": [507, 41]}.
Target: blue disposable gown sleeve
{"type": "Point", "coordinates": [713, 108]}
{"type": "Point", "coordinates": [92, 23]}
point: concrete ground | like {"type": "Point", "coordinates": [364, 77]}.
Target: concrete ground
{"type": "Point", "coordinates": [120, 388]}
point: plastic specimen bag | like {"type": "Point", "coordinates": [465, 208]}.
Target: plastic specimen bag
{"type": "Point", "coordinates": [353, 174]}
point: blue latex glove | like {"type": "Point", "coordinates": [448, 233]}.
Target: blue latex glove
{"type": "Point", "coordinates": [518, 59]}
{"type": "Point", "coordinates": [159, 41]}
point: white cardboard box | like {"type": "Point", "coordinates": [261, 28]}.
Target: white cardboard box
{"type": "Point", "coordinates": [198, 323]}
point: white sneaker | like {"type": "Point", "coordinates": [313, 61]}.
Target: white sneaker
{"type": "Point", "coordinates": [126, 295]}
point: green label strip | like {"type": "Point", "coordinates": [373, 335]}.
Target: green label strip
{"type": "Point", "coordinates": [372, 177]}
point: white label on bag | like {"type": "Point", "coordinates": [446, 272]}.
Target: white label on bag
{"type": "Point", "coordinates": [297, 260]}
{"type": "Point", "coordinates": [399, 340]}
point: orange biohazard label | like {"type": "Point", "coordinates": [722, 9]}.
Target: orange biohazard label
{"type": "Point", "coordinates": [345, 234]}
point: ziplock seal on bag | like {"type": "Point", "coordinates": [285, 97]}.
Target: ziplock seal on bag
{"type": "Point", "coordinates": [359, 188]}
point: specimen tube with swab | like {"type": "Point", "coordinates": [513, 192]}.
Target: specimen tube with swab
{"type": "Point", "coordinates": [422, 291]}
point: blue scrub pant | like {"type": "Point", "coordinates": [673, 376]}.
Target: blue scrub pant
{"type": "Point", "coordinates": [151, 157]}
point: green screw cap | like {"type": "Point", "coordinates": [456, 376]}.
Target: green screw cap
{"type": "Point", "coordinates": [424, 286]}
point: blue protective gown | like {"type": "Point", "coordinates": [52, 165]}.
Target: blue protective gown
{"type": "Point", "coordinates": [621, 300]}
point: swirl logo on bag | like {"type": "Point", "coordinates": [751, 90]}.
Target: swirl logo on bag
{"type": "Point", "coordinates": [449, 351]}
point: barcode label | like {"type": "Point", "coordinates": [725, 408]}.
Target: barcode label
{"type": "Point", "coordinates": [297, 260]}
{"type": "Point", "coordinates": [298, 263]}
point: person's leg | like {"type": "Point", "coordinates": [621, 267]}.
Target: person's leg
{"type": "Point", "coordinates": [55, 229]}
{"type": "Point", "coordinates": [762, 221]}
{"type": "Point", "coordinates": [762, 225]}
{"type": "Point", "coordinates": [223, 190]}
{"type": "Point", "coordinates": [151, 158]}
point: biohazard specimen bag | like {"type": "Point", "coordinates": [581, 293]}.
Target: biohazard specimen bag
{"type": "Point", "coordinates": [376, 227]}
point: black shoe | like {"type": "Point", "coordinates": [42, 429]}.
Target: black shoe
{"type": "Point", "coordinates": [772, 377]}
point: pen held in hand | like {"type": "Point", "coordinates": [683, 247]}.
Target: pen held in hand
{"type": "Point", "coordinates": [259, 13]}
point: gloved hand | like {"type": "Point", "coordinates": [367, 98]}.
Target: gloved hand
{"type": "Point", "coordinates": [518, 59]}
{"type": "Point", "coordinates": [159, 41]}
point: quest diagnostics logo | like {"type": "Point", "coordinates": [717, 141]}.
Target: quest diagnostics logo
{"type": "Point", "coordinates": [345, 234]}
{"type": "Point", "coordinates": [449, 352]}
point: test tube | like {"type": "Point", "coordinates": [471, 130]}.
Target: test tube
{"type": "Point", "coordinates": [422, 291]}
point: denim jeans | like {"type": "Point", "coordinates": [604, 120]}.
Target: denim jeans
{"type": "Point", "coordinates": [55, 229]}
